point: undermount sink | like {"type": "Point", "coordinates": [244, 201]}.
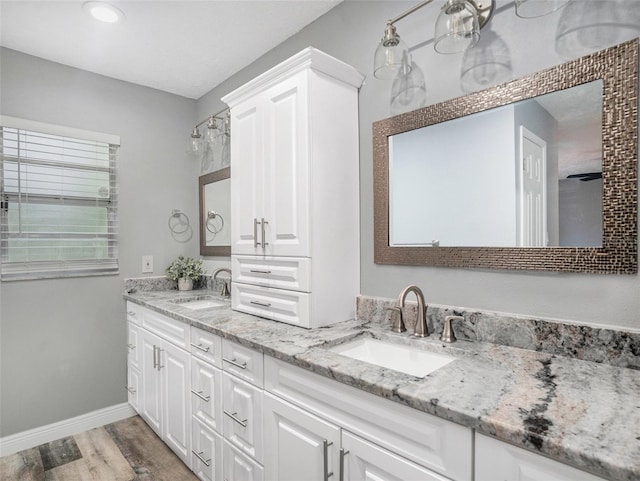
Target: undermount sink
{"type": "Point", "coordinates": [399, 357]}
{"type": "Point", "coordinates": [198, 303]}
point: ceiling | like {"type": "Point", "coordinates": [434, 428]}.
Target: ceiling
{"type": "Point", "coordinates": [183, 47]}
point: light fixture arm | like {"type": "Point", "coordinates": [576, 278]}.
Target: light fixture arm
{"type": "Point", "coordinates": [484, 9]}
{"type": "Point", "coordinates": [409, 12]}
{"type": "Point", "coordinates": [215, 116]}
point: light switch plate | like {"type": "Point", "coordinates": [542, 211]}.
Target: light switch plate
{"type": "Point", "coordinates": [147, 264]}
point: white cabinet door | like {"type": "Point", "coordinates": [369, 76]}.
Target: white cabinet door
{"type": "Point", "coordinates": [247, 158]}
{"type": "Point", "coordinates": [287, 153]}
{"type": "Point", "coordinates": [496, 460]}
{"type": "Point", "coordinates": [242, 424]}
{"type": "Point", "coordinates": [206, 394]}
{"type": "Point", "coordinates": [206, 452]}
{"type": "Point", "coordinates": [151, 398]}
{"type": "Point", "coordinates": [363, 460]}
{"type": "Point", "coordinates": [174, 367]}
{"type": "Point", "coordinates": [298, 445]}
{"type": "Point", "coordinates": [270, 182]}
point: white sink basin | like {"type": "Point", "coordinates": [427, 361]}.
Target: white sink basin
{"type": "Point", "coordinates": [398, 357]}
{"type": "Point", "coordinates": [198, 303]}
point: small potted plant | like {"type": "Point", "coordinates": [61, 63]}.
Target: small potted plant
{"type": "Point", "coordinates": [185, 271]}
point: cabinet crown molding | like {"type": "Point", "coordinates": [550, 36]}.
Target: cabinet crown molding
{"type": "Point", "coordinates": [309, 58]}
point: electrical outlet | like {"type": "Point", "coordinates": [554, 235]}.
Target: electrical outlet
{"type": "Point", "coordinates": [147, 264]}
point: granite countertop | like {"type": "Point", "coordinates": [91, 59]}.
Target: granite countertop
{"type": "Point", "coordinates": [581, 413]}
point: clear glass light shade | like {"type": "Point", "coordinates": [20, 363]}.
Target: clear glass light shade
{"type": "Point", "coordinates": [538, 8]}
{"type": "Point", "coordinates": [457, 27]}
{"type": "Point", "coordinates": [391, 51]}
{"type": "Point", "coordinates": [486, 64]}
{"type": "Point", "coordinates": [409, 91]}
{"type": "Point", "coordinates": [212, 136]}
{"type": "Point", "coordinates": [583, 30]}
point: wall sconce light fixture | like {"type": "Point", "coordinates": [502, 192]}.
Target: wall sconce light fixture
{"type": "Point", "coordinates": [457, 28]}
{"type": "Point", "coordinates": [197, 144]}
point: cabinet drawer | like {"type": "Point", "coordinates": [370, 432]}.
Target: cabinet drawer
{"type": "Point", "coordinates": [365, 460]}
{"type": "Point", "coordinates": [242, 424]}
{"type": "Point", "coordinates": [498, 460]}
{"type": "Point", "coordinates": [134, 313]}
{"type": "Point", "coordinates": [277, 304]}
{"type": "Point", "coordinates": [206, 346]}
{"type": "Point", "coordinates": [169, 329]}
{"type": "Point", "coordinates": [133, 345]}
{"type": "Point", "coordinates": [206, 394]}
{"type": "Point", "coordinates": [238, 467]}
{"type": "Point", "coordinates": [244, 362]}
{"type": "Point", "coordinates": [206, 452]}
{"type": "Point", "coordinates": [133, 387]}
{"type": "Point", "coordinates": [293, 273]}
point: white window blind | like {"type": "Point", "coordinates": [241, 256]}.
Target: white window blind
{"type": "Point", "coordinates": [59, 205]}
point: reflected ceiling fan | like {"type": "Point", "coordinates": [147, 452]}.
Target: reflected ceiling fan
{"type": "Point", "coordinates": [586, 176]}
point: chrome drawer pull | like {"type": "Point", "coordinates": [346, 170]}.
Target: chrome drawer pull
{"type": "Point", "coordinates": [155, 358]}
{"type": "Point", "coordinates": [159, 365]}
{"type": "Point", "coordinates": [264, 223]}
{"type": "Point", "coordinates": [131, 390]}
{"type": "Point", "coordinates": [233, 416]}
{"type": "Point", "coordinates": [131, 346]}
{"type": "Point", "coordinates": [258, 271]}
{"type": "Point", "coordinates": [199, 394]}
{"type": "Point", "coordinates": [199, 456]}
{"type": "Point", "coordinates": [199, 346]}
{"type": "Point", "coordinates": [343, 453]}
{"type": "Point", "coordinates": [261, 304]}
{"type": "Point", "coordinates": [235, 363]}
{"type": "Point", "coordinates": [255, 233]}
{"type": "Point", "coordinates": [325, 448]}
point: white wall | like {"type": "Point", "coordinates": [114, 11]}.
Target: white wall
{"type": "Point", "coordinates": [62, 350]}
{"type": "Point", "coordinates": [453, 182]}
{"type": "Point", "coordinates": [350, 32]}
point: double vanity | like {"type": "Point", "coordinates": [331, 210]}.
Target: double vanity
{"type": "Point", "coordinates": [241, 397]}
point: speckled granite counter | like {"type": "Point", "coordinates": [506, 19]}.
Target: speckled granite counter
{"type": "Point", "coordinates": [581, 413]}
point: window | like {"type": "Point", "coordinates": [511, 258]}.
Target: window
{"type": "Point", "coordinates": [58, 201]}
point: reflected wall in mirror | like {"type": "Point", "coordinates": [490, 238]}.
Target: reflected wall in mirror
{"type": "Point", "coordinates": [215, 213]}
{"type": "Point", "coordinates": [539, 173]}
{"type": "Point", "coordinates": [540, 185]}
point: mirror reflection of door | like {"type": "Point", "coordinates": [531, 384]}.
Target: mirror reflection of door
{"type": "Point", "coordinates": [532, 217]}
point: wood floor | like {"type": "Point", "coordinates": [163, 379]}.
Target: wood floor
{"type": "Point", "coordinates": [127, 450]}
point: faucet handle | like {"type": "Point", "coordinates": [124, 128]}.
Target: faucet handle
{"type": "Point", "coordinates": [447, 332]}
{"type": "Point", "coordinates": [225, 289]}
{"type": "Point", "coordinates": [398, 321]}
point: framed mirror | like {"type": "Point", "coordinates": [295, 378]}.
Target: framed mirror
{"type": "Point", "coordinates": [536, 174]}
{"type": "Point", "coordinates": [215, 213]}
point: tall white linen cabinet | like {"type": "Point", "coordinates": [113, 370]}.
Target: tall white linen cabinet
{"type": "Point", "coordinates": [295, 248]}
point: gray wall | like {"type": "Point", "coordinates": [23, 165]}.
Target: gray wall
{"type": "Point", "coordinates": [63, 341]}
{"type": "Point", "coordinates": [350, 32]}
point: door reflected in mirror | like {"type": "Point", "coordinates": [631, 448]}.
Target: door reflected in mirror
{"type": "Point", "coordinates": [527, 174]}
{"type": "Point", "coordinates": [215, 213]}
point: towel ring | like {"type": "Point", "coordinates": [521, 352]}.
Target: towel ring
{"type": "Point", "coordinates": [178, 215]}
{"type": "Point", "coordinates": [211, 227]}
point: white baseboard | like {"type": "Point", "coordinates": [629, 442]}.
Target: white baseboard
{"type": "Point", "coordinates": [45, 434]}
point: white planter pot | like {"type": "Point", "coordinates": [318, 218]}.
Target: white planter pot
{"type": "Point", "coordinates": [185, 284]}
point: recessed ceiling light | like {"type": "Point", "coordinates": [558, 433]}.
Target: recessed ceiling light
{"type": "Point", "coordinates": [105, 12]}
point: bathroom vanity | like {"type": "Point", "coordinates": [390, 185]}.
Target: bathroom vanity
{"type": "Point", "coordinates": [242, 397]}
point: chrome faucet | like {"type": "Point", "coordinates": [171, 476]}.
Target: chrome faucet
{"type": "Point", "coordinates": [421, 323]}
{"type": "Point", "coordinates": [225, 288]}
